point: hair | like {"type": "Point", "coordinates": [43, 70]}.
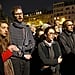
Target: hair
{"type": "Point", "coordinates": [37, 31]}
{"type": "Point", "coordinates": [55, 22]}
{"type": "Point", "coordinates": [64, 24]}
{"type": "Point", "coordinates": [4, 41]}
{"type": "Point", "coordinates": [47, 29]}
{"type": "Point", "coordinates": [14, 9]}
{"type": "Point", "coordinates": [3, 21]}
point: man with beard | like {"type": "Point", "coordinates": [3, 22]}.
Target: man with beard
{"type": "Point", "coordinates": [22, 37]}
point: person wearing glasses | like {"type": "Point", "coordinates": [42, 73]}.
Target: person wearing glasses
{"type": "Point", "coordinates": [21, 36]}
{"type": "Point", "coordinates": [50, 53]}
{"type": "Point", "coordinates": [67, 43]}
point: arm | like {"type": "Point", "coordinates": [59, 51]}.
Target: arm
{"type": "Point", "coordinates": [31, 41]}
{"type": "Point", "coordinates": [29, 44]}
{"type": "Point", "coordinates": [9, 52]}
{"type": "Point", "coordinates": [5, 55]}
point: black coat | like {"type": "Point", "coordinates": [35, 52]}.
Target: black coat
{"type": "Point", "coordinates": [45, 56]}
{"type": "Point", "coordinates": [67, 43]}
{"type": "Point", "coordinates": [1, 66]}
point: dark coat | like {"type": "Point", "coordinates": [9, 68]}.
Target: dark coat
{"type": "Point", "coordinates": [67, 43]}
{"type": "Point", "coordinates": [45, 56]}
{"type": "Point", "coordinates": [1, 66]}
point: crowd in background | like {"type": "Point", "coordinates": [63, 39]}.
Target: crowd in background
{"type": "Point", "coordinates": [46, 50]}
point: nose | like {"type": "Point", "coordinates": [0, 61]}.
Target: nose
{"type": "Point", "coordinates": [6, 30]}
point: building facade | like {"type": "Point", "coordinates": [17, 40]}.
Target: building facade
{"type": "Point", "coordinates": [61, 11]}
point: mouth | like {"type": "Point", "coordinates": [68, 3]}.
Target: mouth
{"type": "Point", "coordinates": [6, 33]}
{"type": "Point", "coordinates": [20, 18]}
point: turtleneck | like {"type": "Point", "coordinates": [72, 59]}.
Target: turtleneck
{"type": "Point", "coordinates": [68, 32]}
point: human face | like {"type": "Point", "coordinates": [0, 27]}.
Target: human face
{"type": "Point", "coordinates": [57, 29]}
{"type": "Point", "coordinates": [18, 15]}
{"type": "Point", "coordinates": [57, 22]}
{"type": "Point", "coordinates": [50, 34]}
{"type": "Point", "coordinates": [41, 33]}
{"type": "Point", "coordinates": [69, 26]}
{"type": "Point", "coordinates": [4, 29]}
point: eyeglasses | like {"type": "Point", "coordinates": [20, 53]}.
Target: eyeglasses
{"type": "Point", "coordinates": [18, 13]}
{"type": "Point", "coordinates": [51, 33]}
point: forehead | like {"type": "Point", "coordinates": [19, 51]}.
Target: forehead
{"type": "Point", "coordinates": [51, 30]}
{"type": "Point", "coordinates": [4, 25]}
{"type": "Point", "coordinates": [69, 22]}
{"type": "Point", "coordinates": [18, 10]}
{"type": "Point", "coordinates": [41, 32]}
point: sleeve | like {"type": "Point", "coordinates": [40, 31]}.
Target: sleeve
{"type": "Point", "coordinates": [31, 43]}
{"type": "Point", "coordinates": [5, 55]}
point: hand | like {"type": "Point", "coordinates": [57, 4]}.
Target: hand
{"type": "Point", "coordinates": [28, 56]}
{"type": "Point", "coordinates": [44, 67]}
{"type": "Point", "coordinates": [59, 59]}
{"type": "Point", "coordinates": [13, 48]}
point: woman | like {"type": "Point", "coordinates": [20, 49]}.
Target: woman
{"type": "Point", "coordinates": [4, 46]}
{"type": "Point", "coordinates": [50, 53]}
{"type": "Point", "coordinates": [6, 55]}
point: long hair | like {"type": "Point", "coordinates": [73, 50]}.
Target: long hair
{"type": "Point", "coordinates": [4, 41]}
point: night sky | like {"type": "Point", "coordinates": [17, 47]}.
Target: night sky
{"type": "Point", "coordinates": [27, 5]}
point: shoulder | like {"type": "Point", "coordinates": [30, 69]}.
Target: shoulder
{"type": "Point", "coordinates": [11, 24]}
{"type": "Point", "coordinates": [62, 35]}
{"type": "Point", "coordinates": [41, 44]}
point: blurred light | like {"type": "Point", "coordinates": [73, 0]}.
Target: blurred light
{"type": "Point", "coordinates": [54, 18]}
{"type": "Point", "coordinates": [27, 15]}
{"type": "Point", "coordinates": [62, 20]}
{"type": "Point", "coordinates": [28, 23]}
{"type": "Point", "coordinates": [57, 17]}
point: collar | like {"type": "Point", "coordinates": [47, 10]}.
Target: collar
{"type": "Point", "coordinates": [69, 33]}
{"type": "Point", "coordinates": [48, 44]}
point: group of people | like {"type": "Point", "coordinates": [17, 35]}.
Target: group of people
{"type": "Point", "coordinates": [56, 49]}
{"type": "Point", "coordinates": [18, 44]}
{"type": "Point", "coordinates": [62, 42]}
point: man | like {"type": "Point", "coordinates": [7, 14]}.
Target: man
{"type": "Point", "coordinates": [22, 37]}
{"type": "Point", "coordinates": [67, 43]}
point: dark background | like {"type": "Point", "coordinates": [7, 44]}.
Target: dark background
{"type": "Point", "coordinates": [27, 5]}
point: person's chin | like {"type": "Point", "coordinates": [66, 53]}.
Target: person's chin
{"type": "Point", "coordinates": [20, 20]}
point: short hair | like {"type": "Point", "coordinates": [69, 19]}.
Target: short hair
{"type": "Point", "coordinates": [47, 29]}
{"type": "Point", "coordinates": [15, 8]}
{"type": "Point", "coordinates": [64, 23]}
